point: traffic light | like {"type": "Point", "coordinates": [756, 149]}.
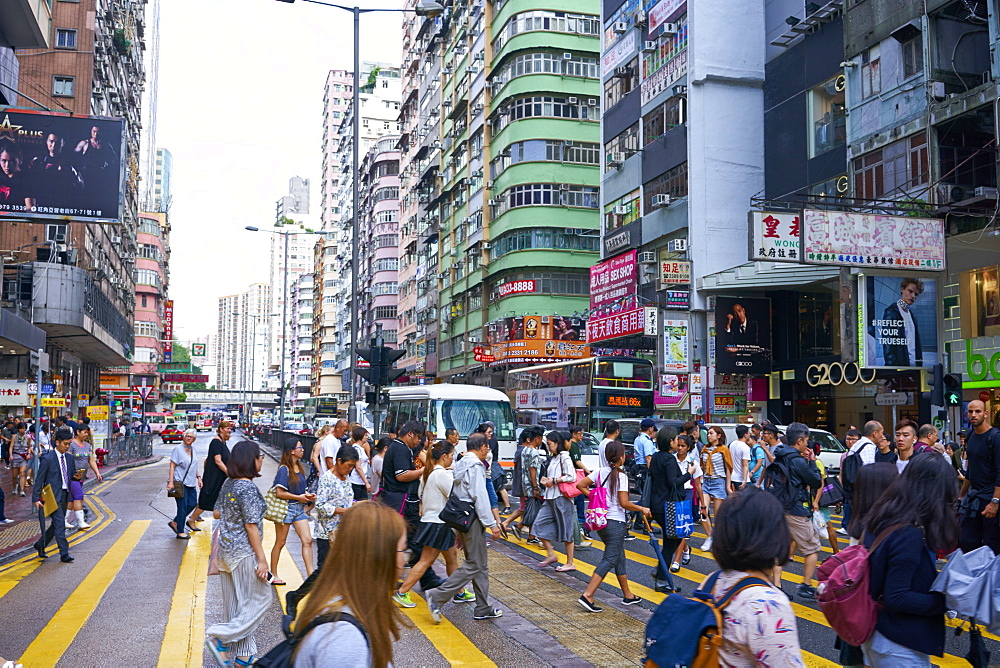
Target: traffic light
{"type": "Point", "coordinates": [277, 397]}
{"type": "Point", "coordinates": [389, 357]}
{"type": "Point", "coordinates": [380, 371]}
{"type": "Point", "coordinates": [953, 389]}
{"type": "Point", "coordinates": [936, 383]}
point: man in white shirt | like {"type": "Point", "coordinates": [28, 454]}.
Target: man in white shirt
{"type": "Point", "coordinates": [331, 444]}
{"type": "Point", "coordinates": [611, 433]}
{"type": "Point", "coordinates": [740, 450]}
{"type": "Point", "coordinates": [866, 447]}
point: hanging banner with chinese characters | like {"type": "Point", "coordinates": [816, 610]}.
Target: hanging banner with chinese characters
{"type": "Point", "coordinates": [845, 239]}
{"type": "Point", "coordinates": [633, 322]}
{"type": "Point", "coordinates": [774, 237]}
{"type": "Point", "coordinates": [13, 393]}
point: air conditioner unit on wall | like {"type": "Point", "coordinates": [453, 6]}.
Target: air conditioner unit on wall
{"type": "Point", "coordinates": [620, 27]}
{"type": "Point", "coordinates": [661, 200]}
{"type": "Point", "coordinates": [647, 257]}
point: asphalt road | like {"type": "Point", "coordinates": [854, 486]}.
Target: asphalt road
{"type": "Point", "coordinates": [137, 596]}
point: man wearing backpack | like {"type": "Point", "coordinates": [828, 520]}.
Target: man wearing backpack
{"type": "Point", "coordinates": [794, 478]}
{"type": "Point", "coordinates": [860, 454]}
{"type": "Point", "coordinates": [981, 488]}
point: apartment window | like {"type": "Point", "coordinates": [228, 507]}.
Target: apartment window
{"type": "Point", "coordinates": [57, 233]}
{"type": "Point", "coordinates": [547, 194]}
{"type": "Point", "coordinates": [613, 220]}
{"type": "Point", "coordinates": [65, 39]}
{"type": "Point", "coordinates": [62, 86]}
{"type": "Point", "coordinates": [144, 301]}
{"type": "Point", "coordinates": [625, 80]}
{"type": "Point", "coordinates": [544, 238]}
{"type": "Point", "coordinates": [386, 240]}
{"type": "Point", "coordinates": [386, 193]}
{"type": "Point", "coordinates": [552, 283]}
{"type": "Point", "coordinates": [385, 289]}
{"type": "Point", "coordinates": [549, 21]}
{"type": "Point", "coordinates": [150, 329]}
{"type": "Point", "coordinates": [385, 312]}
{"type": "Point", "coordinates": [386, 264]}
{"type": "Point", "coordinates": [539, 150]}
{"type": "Point", "coordinates": [871, 77]}
{"type": "Point", "coordinates": [670, 114]}
{"type": "Point", "coordinates": [627, 142]}
{"type": "Point", "coordinates": [551, 107]}
{"type": "Point", "coordinates": [147, 277]}
{"type": "Point", "coordinates": [893, 169]}
{"type": "Point", "coordinates": [828, 116]}
{"type": "Point", "coordinates": [673, 182]}
{"type": "Point", "coordinates": [913, 56]}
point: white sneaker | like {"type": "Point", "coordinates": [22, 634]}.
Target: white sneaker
{"type": "Point", "coordinates": [707, 545]}
{"type": "Point", "coordinates": [841, 531]}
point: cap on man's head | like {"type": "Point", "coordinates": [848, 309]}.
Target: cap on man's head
{"type": "Point", "coordinates": [646, 424]}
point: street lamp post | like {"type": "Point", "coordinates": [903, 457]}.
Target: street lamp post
{"type": "Point", "coordinates": [284, 312]}
{"type": "Point", "coordinates": [423, 8]}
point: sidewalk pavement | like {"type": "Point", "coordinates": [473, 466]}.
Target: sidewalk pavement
{"type": "Point", "coordinates": [16, 538]}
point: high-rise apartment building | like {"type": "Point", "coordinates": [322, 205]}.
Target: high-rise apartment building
{"type": "Point", "coordinates": [379, 241]}
{"type": "Point", "coordinates": [162, 192]}
{"type": "Point", "coordinates": [513, 201]}
{"type": "Point", "coordinates": [378, 117]}
{"type": "Point", "coordinates": [152, 282]}
{"type": "Point", "coordinates": [301, 346]}
{"type": "Point", "coordinates": [242, 338]}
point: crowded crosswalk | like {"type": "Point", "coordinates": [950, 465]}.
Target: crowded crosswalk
{"type": "Point", "coordinates": [135, 596]}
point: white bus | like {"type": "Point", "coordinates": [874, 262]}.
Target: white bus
{"type": "Point", "coordinates": [462, 407]}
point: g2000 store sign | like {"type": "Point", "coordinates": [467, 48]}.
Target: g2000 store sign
{"type": "Point", "coordinates": [838, 374]}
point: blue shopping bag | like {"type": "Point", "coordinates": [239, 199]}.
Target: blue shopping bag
{"type": "Point", "coordinates": [679, 519]}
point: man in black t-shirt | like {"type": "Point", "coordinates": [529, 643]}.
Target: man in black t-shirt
{"type": "Point", "coordinates": [981, 488]}
{"type": "Point", "coordinates": [400, 484]}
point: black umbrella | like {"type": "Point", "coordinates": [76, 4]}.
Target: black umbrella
{"type": "Point", "coordinates": [978, 655]}
{"type": "Point", "coordinates": [659, 555]}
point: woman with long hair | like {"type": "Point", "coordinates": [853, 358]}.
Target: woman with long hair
{"type": "Point", "coordinates": [246, 596]}
{"type": "Point", "coordinates": [686, 456]}
{"type": "Point", "coordinates": [915, 518]}
{"type": "Point", "coordinates": [615, 480]}
{"type": "Point", "coordinates": [183, 470]}
{"type": "Point", "coordinates": [314, 455]}
{"type": "Point", "coordinates": [359, 476]}
{"type": "Point", "coordinates": [496, 476]}
{"type": "Point", "coordinates": [717, 467]}
{"type": "Point", "coordinates": [22, 450]}
{"type": "Point", "coordinates": [357, 587]}
{"type": "Point", "coordinates": [666, 485]}
{"type": "Point", "coordinates": [555, 521]}
{"type": "Point", "coordinates": [215, 470]}
{"type": "Point", "coordinates": [435, 537]}
{"type": "Point", "coordinates": [334, 495]}
{"type": "Point", "coordinates": [290, 484]}
{"type": "Point", "coordinates": [375, 469]}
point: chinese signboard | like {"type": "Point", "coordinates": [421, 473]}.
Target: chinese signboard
{"type": "Point", "coordinates": [677, 300]}
{"type": "Point", "coordinates": [663, 11]}
{"type": "Point", "coordinates": [168, 331]}
{"type": "Point", "coordinates": [775, 236]}
{"type": "Point", "coordinates": [870, 240]}
{"type": "Point", "coordinates": [53, 402]}
{"type": "Point", "coordinates": [743, 335]}
{"type": "Point", "coordinates": [898, 321]}
{"type": "Point", "coordinates": [618, 53]}
{"type": "Point", "coordinates": [727, 404]}
{"type": "Point", "coordinates": [613, 283]}
{"type": "Point", "coordinates": [197, 350]}
{"type": "Point", "coordinates": [675, 272]}
{"type": "Point", "coordinates": [639, 321]}
{"type": "Point", "coordinates": [483, 355]}
{"type": "Point", "coordinates": [515, 287]}
{"type": "Point", "coordinates": [534, 338]}
{"type": "Point", "coordinates": [61, 165]}
{"type": "Point", "coordinates": [13, 393]}
{"type": "Point", "coordinates": [184, 378]}
{"type": "Point", "coordinates": [676, 346]}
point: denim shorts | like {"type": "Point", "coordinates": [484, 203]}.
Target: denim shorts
{"type": "Point", "coordinates": [879, 651]}
{"type": "Point", "coordinates": [295, 513]}
{"type": "Point", "coordinates": [714, 487]}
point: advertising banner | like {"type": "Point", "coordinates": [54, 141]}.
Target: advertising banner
{"type": "Point", "coordinates": [633, 322]}
{"type": "Point", "coordinates": [613, 283]}
{"type": "Point", "coordinates": [110, 382]}
{"type": "Point", "coordinates": [13, 393]}
{"type": "Point", "coordinates": [676, 346]}
{"type": "Point", "coordinates": [673, 392]}
{"type": "Point", "coordinates": [515, 287]}
{"type": "Point", "coordinates": [664, 77]}
{"type": "Point", "coordinates": [675, 272]}
{"type": "Point", "coordinates": [899, 321]}
{"type": "Point", "coordinates": [870, 240]}
{"type": "Point", "coordinates": [57, 165]}
{"type": "Point", "coordinates": [618, 53]}
{"type": "Point", "coordinates": [743, 335]}
{"type": "Point", "coordinates": [663, 11]}
{"type": "Point", "coordinates": [197, 350]}
{"type": "Point", "coordinates": [535, 339]}
{"type": "Point", "coordinates": [185, 377]}
{"type": "Point", "coordinates": [774, 237]}
{"type": "Point", "coordinates": [168, 331]}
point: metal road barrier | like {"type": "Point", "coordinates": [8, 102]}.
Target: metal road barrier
{"type": "Point", "coordinates": [118, 449]}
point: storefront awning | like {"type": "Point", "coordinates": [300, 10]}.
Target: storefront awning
{"type": "Point", "coordinates": [18, 335]}
{"type": "Point", "coordinates": [768, 275]}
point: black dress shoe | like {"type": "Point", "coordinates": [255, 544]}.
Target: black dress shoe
{"type": "Point", "coordinates": [66, 559]}
{"type": "Point", "coordinates": [40, 551]}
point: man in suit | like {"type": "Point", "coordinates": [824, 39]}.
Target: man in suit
{"type": "Point", "coordinates": [55, 469]}
{"type": "Point", "coordinates": [739, 329]}
{"type": "Point", "coordinates": [901, 340]}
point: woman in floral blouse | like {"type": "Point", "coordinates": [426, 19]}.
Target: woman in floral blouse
{"type": "Point", "coordinates": [334, 496]}
{"type": "Point", "coordinates": [750, 540]}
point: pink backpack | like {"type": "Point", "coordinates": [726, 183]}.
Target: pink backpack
{"type": "Point", "coordinates": [843, 592]}
{"type": "Point", "coordinates": [596, 516]}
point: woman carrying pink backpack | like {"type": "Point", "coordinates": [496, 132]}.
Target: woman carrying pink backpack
{"type": "Point", "coordinates": [608, 502]}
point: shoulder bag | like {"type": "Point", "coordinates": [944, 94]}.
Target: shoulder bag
{"type": "Point", "coordinates": [458, 514]}
{"type": "Point", "coordinates": [178, 489]}
{"type": "Point", "coordinates": [277, 508]}
{"type": "Point", "coordinates": [569, 489]}
{"type": "Point", "coordinates": [596, 514]}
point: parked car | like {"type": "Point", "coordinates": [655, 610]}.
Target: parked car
{"type": "Point", "coordinates": [173, 432]}
{"type": "Point", "coordinates": [299, 427]}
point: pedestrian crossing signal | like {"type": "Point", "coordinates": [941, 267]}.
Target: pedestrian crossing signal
{"type": "Point", "coordinates": [953, 389]}
{"type": "Point", "coordinates": [954, 399]}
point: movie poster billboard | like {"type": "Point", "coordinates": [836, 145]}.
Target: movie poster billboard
{"type": "Point", "coordinates": [900, 321]}
{"type": "Point", "coordinates": [53, 165]}
{"type": "Point", "coordinates": [743, 335]}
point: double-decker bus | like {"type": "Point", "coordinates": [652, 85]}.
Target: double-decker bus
{"type": "Point", "coordinates": [322, 409]}
{"type": "Point", "coordinates": [587, 392]}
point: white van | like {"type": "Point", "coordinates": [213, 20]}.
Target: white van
{"type": "Point", "coordinates": [462, 407]}
{"type": "Point", "coordinates": [830, 449]}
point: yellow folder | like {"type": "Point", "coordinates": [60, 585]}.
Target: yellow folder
{"type": "Point", "coordinates": [49, 500]}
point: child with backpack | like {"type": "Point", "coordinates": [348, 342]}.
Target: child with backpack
{"type": "Point", "coordinates": [741, 601]}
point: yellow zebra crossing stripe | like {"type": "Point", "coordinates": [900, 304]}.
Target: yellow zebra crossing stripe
{"type": "Point", "coordinates": [48, 646]}
{"type": "Point", "coordinates": [185, 631]}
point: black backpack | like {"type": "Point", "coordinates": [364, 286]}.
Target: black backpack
{"type": "Point", "coordinates": [281, 656]}
{"type": "Point", "coordinates": [777, 480]}
{"type": "Point", "coordinates": [849, 469]}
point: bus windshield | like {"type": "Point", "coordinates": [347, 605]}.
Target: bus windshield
{"type": "Point", "coordinates": [465, 415]}
{"type": "Point", "coordinates": [637, 375]}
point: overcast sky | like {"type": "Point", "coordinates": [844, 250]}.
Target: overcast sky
{"type": "Point", "coordinates": [240, 109]}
